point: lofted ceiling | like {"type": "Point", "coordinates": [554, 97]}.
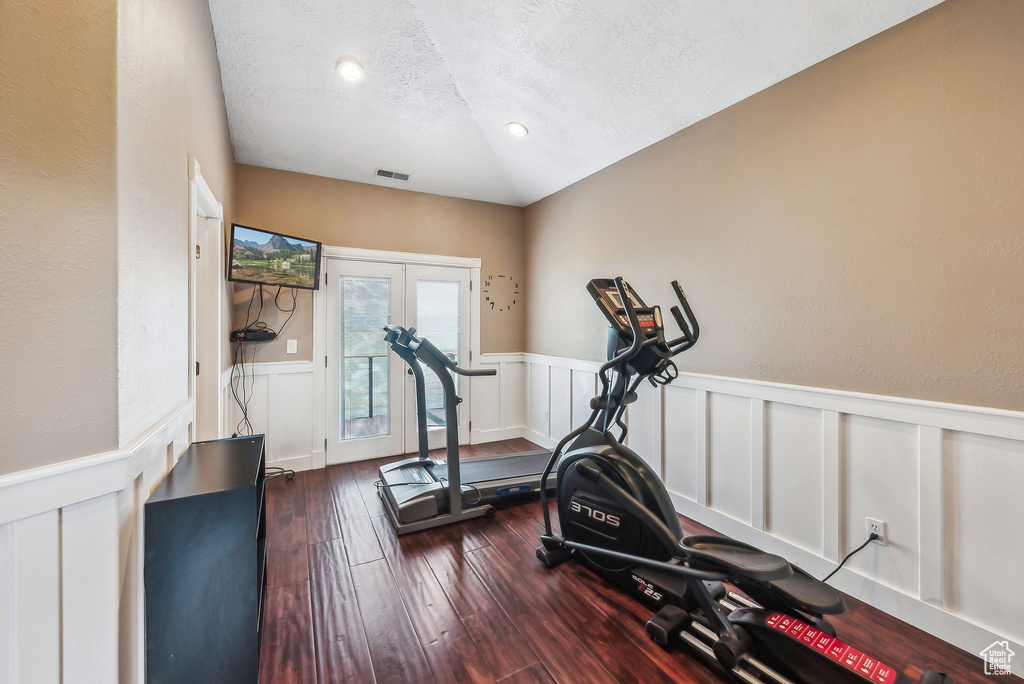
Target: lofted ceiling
{"type": "Point", "coordinates": [593, 80]}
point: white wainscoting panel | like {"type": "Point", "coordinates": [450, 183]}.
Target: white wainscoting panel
{"type": "Point", "coordinates": [644, 420]}
{"type": "Point", "coordinates": [584, 388]}
{"type": "Point", "coordinates": [983, 478]}
{"type": "Point", "coordinates": [485, 402]}
{"type": "Point", "coordinates": [513, 393]}
{"type": "Point", "coordinates": [281, 406]}
{"type": "Point", "coordinates": [35, 649]}
{"type": "Point", "coordinates": [71, 593]}
{"type": "Point", "coordinates": [538, 402]}
{"type": "Point", "coordinates": [879, 478]}
{"type": "Point", "coordinates": [560, 422]}
{"type": "Point", "coordinates": [89, 587]}
{"type": "Point", "coordinates": [729, 455]}
{"type": "Point", "coordinates": [793, 475]}
{"type": "Point", "coordinates": [796, 470]}
{"type": "Point", "coordinates": [681, 441]}
{"type": "Point", "coordinates": [498, 408]}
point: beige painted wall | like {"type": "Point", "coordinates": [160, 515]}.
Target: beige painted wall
{"type": "Point", "coordinates": [348, 214]}
{"type": "Point", "coordinates": [857, 226]}
{"type": "Point", "coordinates": [100, 105]}
{"type": "Point", "coordinates": [58, 202]}
{"type": "Point", "coordinates": [170, 106]}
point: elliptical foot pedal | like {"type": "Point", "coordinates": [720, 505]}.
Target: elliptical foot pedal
{"type": "Point", "coordinates": [551, 552]}
{"type": "Point", "coordinates": [552, 557]}
{"type": "Point", "coordinates": [665, 626]}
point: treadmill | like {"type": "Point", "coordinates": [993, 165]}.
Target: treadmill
{"type": "Point", "coordinates": [420, 493]}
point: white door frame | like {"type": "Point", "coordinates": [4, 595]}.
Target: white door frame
{"type": "Point", "coordinates": [320, 319]}
{"type": "Point", "coordinates": [205, 389]}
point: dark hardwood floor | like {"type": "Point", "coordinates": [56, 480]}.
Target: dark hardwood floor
{"type": "Point", "coordinates": [350, 601]}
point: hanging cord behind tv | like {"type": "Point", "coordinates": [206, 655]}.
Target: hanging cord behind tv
{"type": "Point", "coordinates": [291, 311]}
{"type": "Point", "coordinates": [238, 373]}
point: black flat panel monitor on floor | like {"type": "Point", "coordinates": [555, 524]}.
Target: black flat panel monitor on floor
{"type": "Point", "coordinates": [265, 258]}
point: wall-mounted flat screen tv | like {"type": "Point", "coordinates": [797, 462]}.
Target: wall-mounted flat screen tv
{"type": "Point", "coordinates": [265, 258]}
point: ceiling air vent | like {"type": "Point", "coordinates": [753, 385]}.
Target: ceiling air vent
{"type": "Point", "coordinates": [392, 174]}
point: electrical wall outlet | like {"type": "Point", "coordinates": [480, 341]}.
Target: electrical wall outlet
{"type": "Point", "coordinates": [293, 347]}
{"type": "Point", "coordinates": [872, 526]}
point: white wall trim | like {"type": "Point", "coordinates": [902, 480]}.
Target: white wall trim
{"type": "Point", "coordinates": [494, 358]}
{"type": "Point", "coordinates": [868, 461]}
{"type": "Point", "coordinates": [357, 254]}
{"type": "Point", "coordinates": [961, 417]}
{"type": "Point", "coordinates": [31, 492]}
{"type": "Point", "coordinates": [71, 591]}
{"type": "Point", "coordinates": [563, 362]}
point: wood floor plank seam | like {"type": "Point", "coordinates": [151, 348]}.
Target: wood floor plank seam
{"type": "Point", "coordinates": [633, 634]}
{"type": "Point", "coordinates": [283, 548]}
{"type": "Point", "coordinates": [534, 640]}
{"type": "Point", "coordinates": [346, 572]}
{"type": "Point", "coordinates": [358, 547]}
{"type": "Point", "coordinates": [631, 663]}
{"type": "Point", "coordinates": [447, 628]}
{"type": "Point", "coordinates": [333, 524]}
{"type": "Point", "coordinates": [404, 613]}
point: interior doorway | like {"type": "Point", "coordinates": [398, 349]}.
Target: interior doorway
{"type": "Point", "coordinates": [206, 304]}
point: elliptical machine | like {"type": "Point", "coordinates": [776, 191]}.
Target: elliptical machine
{"type": "Point", "coordinates": [617, 518]}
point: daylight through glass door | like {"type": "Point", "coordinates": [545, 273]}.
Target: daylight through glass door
{"type": "Point", "coordinates": [365, 305]}
{"type": "Point", "coordinates": [437, 315]}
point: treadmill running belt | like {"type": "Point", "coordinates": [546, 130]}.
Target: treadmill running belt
{"type": "Point", "coordinates": [486, 469]}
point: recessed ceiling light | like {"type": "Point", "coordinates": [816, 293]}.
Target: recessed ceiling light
{"type": "Point", "coordinates": [517, 129]}
{"type": "Point", "coordinates": [350, 69]}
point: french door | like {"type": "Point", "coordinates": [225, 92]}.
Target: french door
{"type": "Point", "coordinates": [371, 409]}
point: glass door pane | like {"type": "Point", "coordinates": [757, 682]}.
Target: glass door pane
{"type": "Point", "coordinates": [365, 310]}
{"type": "Point", "coordinates": [437, 303]}
{"type": "Point", "coordinates": [437, 309]}
{"type": "Point", "coordinates": [365, 387]}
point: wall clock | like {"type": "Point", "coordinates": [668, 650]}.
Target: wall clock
{"type": "Point", "coordinates": [501, 292]}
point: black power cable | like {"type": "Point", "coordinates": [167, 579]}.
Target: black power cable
{"type": "Point", "coordinates": [291, 311]}
{"type": "Point", "coordinates": [244, 425]}
{"type": "Point", "coordinates": [872, 538]}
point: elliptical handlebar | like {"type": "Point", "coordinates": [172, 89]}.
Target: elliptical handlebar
{"type": "Point", "coordinates": [634, 322]}
{"type": "Point", "coordinates": [688, 325]}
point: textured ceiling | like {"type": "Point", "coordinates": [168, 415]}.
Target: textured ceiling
{"type": "Point", "coordinates": [594, 80]}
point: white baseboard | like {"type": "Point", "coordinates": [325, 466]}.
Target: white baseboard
{"type": "Point", "coordinates": [519, 432]}
{"type": "Point", "coordinates": [484, 436]}
{"type": "Point", "coordinates": [319, 459]}
{"type": "Point", "coordinates": [295, 463]}
{"type": "Point", "coordinates": [539, 439]}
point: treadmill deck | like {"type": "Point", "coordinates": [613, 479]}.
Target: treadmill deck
{"type": "Point", "coordinates": [502, 467]}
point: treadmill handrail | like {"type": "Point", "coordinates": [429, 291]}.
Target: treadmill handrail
{"type": "Point", "coordinates": [426, 346]}
{"type": "Point", "coordinates": [474, 372]}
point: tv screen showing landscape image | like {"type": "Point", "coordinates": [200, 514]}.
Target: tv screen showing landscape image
{"type": "Point", "coordinates": [265, 258]}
